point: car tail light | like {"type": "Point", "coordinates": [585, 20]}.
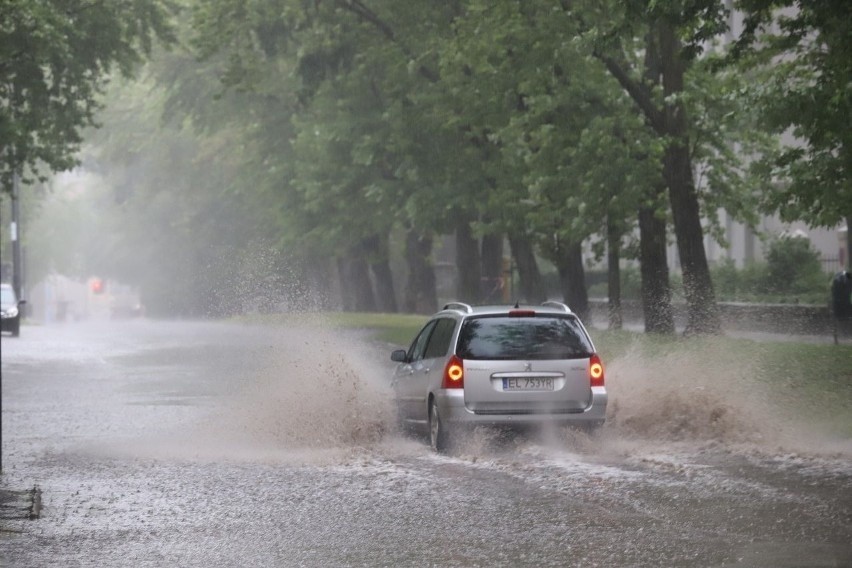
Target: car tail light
{"type": "Point", "coordinates": [521, 313]}
{"type": "Point", "coordinates": [596, 371]}
{"type": "Point", "coordinates": [453, 374]}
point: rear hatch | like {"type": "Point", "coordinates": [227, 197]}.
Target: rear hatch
{"type": "Point", "coordinates": [525, 363]}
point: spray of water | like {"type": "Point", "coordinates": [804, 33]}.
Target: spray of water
{"type": "Point", "coordinates": [703, 395]}
{"type": "Point", "coordinates": [319, 394]}
{"type": "Point", "coordinates": [692, 395]}
{"type": "Point", "coordinates": [696, 396]}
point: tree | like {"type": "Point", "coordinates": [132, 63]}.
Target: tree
{"type": "Point", "coordinates": [55, 58]}
{"type": "Point", "coordinates": [672, 35]}
{"type": "Point", "coordinates": [550, 128]}
{"type": "Point", "coordinates": [805, 46]}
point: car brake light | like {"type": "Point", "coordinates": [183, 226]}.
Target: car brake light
{"type": "Point", "coordinates": [596, 371]}
{"type": "Point", "coordinates": [453, 374]}
{"type": "Point", "coordinates": [521, 313]}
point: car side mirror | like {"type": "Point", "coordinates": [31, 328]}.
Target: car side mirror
{"type": "Point", "coordinates": [22, 302]}
{"type": "Point", "coordinates": [400, 356]}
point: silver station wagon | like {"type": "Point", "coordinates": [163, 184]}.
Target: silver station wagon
{"type": "Point", "coordinates": [504, 366]}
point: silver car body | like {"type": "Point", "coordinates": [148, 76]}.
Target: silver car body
{"type": "Point", "coordinates": [516, 388]}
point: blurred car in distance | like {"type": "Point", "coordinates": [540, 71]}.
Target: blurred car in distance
{"type": "Point", "coordinates": [10, 310]}
{"type": "Point", "coordinates": [514, 366]}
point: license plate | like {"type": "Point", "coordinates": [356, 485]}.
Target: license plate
{"type": "Point", "coordinates": [528, 384]}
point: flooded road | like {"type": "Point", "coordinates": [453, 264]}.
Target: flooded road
{"type": "Point", "coordinates": [218, 444]}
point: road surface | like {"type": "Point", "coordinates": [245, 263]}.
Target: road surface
{"type": "Point", "coordinates": [220, 444]}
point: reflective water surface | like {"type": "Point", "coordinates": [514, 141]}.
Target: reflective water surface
{"type": "Point", "coordinates": [219, 444]}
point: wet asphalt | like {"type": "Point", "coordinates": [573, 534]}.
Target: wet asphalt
{"type": "Point", "coordinates": [220, 444]}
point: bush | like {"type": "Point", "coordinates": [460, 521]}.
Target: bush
{"type": "Point", "coordinates": [733, 284]}
{"type": "Point", "coordinates": [726, 278]}
{"type": "Point", "coordinates": [792, 273]}
{"type": "Point", "coordinates": [793, 267]}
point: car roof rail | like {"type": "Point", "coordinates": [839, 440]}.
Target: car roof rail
{"type": "Point", "coordinates": [460, 306]}
{"type": "Point", "coordinates": [558, 305]}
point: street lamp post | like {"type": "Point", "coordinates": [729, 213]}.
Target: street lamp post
{"type": "Point", "coordinates": [15, 230]}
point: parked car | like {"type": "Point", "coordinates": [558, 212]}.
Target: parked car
{"type": "Point", "coordinates": [504, 366]}
{"type": "Point", "coordinates": [10, 310]}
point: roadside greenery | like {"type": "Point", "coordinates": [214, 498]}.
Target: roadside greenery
{"type": "Point", "coordinates": [791, 274]}
{"type": "Point", "coordinates": [55, 59]}
{"type": "Point", "coordinates": [321, 149]}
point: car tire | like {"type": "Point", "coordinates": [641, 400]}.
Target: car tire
{"type": "Point", "coordinates": [439, 436]}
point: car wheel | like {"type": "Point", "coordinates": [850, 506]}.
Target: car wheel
{"type": "Point", "coordinates": [439, 436]}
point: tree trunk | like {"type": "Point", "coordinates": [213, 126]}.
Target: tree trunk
{"type": "Point", "coordinates": [656, 290]}
{"type": "Point", "coordinates": [664, 60]}
{"type": "Point", "coordinates": [377, 253]}
{"type": "Point", "coordinates": [467, 264]}
{"type": "Point", "coordinates": [613, 254]}
{"type": "Point", "coordinates": [703, 315]}
{"type": "Point", "coordinates": [347, 294]}
{"type": "Point", "coordinates": [531, 283]}
{"type": "Point", "coordinates": [493, 280]}
{"type": "Point", "coordinates": [312, 286]}
{"type": "Point", "coordinates": [848, 244]}
{"type": "Point", "coordinates": [572, 278]}
{"type": "Point", "coordinates": [355, 285]}
{"type": "Point", "coordinates": [420, 293]}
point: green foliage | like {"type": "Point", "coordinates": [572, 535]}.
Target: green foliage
{"type": "Point", "coordinates": [310, 126]}
{"type": "Point", "coordinates": [55, 58]}
{"type": "Point", "coordinates": [747, 284]}
{"type": "Point", "coordinates": [792, 273]}
{"type": "Point", "coordinates": [806, 45]}
{"type": "Point", "coordinates": [726, 278]}
{"type": "Point", "coordinates": [793, 266]}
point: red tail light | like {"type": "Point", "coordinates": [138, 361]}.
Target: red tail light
{"type": "Point", "coordinates": [596, 371]}
{"type": "Point", "coordinates": [453, 374]}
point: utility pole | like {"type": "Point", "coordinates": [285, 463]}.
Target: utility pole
{"type": "Point", "coordinates": [17, 279]}
{"type": "Point", "coordinates": [15, 229]}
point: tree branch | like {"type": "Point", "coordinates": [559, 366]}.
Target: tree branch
{"type": "Point", "coordinates": [362, 11]}
{"type": "Point", "coordinates": [637, 91]}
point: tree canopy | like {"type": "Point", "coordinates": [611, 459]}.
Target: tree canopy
{"type": "Point", "coordinates": [55, 58]}
{"type": "Point", "coordinates": [346, 134]}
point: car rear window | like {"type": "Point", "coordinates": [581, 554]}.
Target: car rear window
{"type": "Point", "coordinates": [534, 338]}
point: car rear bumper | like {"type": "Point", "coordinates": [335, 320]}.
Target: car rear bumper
{"type": "Point", "coordinates": [453, 410]}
